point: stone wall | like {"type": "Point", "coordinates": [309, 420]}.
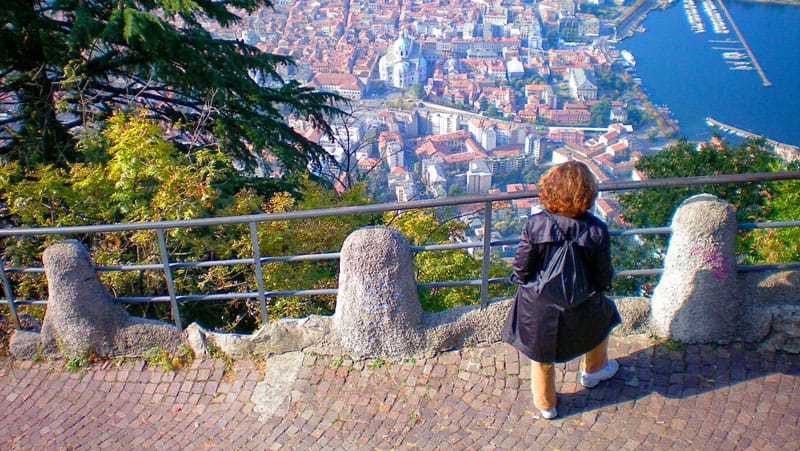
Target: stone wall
{"type": "Point", "coordinates": [700, 298]}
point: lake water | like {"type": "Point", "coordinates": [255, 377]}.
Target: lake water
{"type": "Point", "coordinates": [687, 70]}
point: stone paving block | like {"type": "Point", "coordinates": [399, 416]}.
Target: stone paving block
{"type": "Point", "coordinates": [477, 411]}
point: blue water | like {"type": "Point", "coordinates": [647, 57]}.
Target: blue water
{"type": "Point", "coordinates": [681, 69]}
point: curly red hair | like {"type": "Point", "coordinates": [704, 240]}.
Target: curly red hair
{"type": "Point", "coordinates": [568, 189]}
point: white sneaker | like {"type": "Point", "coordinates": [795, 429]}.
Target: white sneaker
{"type": "Point", "coordinates": [590, 380]}
{"type": "Point", "coordinates": [548, 414]}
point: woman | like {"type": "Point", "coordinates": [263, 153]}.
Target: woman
{"type": "Point", "coordinates": [543, 331]}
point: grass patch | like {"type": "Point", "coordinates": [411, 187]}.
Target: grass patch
{"type": "Point", "coordinates": [672, 345]}
{"type": "Point", "coordinates": [76, 363]}
{"type": "Point", "coordinates": [217, 353]}
{"type": "Point", "coordinates": [376, 363]}
{"type": "Point", "coordinates": [160, 357]}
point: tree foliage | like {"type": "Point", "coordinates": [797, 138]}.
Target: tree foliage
{"type": "Point", "coordinates": [654, 207]}
{"type": "Point", "coordinates": [610, 84]}
{"type": "Point", "coordinates": [753, 201]}
{"type": "Point", "coordinates": [629, 252]}
{"type": "Point", "coordinates": [423, 227]}
{"type": "Point", "coordinates": [134, 175]}
{"type": "Point", "coordinates": [417, 91]}
{"type": "Point", "coordinates": [67, 65]}
{"type": "Point", "coordinates": [600, 114]}
{"type": "Point", "coordinates": [529, 172]}
{"type": "Point", "coordinates": [780, 245]}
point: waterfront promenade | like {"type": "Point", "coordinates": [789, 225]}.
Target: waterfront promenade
{"type": "Point", "coordinates": [627, 23]}
{"type": "Point", "coordinates": [665, 397]}
{"type": "Point", "coordinates": [786, 151]}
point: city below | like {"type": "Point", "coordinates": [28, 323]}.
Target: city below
{"type": "Point", "coordinates": [456, 96]}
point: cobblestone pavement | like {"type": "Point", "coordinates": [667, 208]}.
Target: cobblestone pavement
{"type": "Point", "coordinates": [708, 397]}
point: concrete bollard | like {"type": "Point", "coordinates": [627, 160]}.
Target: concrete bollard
{"type": "Point", "coordinates": [699, 298]}
{"type": "Point", "coordinates": [378, 312]}
{"type": "Point", "coordinates": [82, 318]}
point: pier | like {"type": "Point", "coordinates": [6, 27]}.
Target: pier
{"type": "Point", "coordinates": [786, 151]}
{"type": "Point", "coordinates": [746, 47]}
{"type": "Point", "coordinates": [630, 20]}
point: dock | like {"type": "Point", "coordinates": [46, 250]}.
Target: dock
{"type": "Point", "coordinates": [631, 19]}
{"type": "Point", "coordinates": [746, 47]}
{"type": "Point", "coordinates": [786, 151]}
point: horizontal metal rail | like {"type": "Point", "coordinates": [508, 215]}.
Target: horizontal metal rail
{"type": "Point", "coordinates": [393, 206]}
{"type": "Point", "coordinates": [770, 267]}
{"type": "Point", "coordinates": [335, 255]}
{"type": "Point", "coordinates": [482, 201]}
{"type": "Point", "coordinates": [768, 225]}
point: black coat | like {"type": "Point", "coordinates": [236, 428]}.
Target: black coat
{"type": "Point", "coordinates": [542, 331]}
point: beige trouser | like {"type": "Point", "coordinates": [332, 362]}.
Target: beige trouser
{"type": "Point", "coordinates": [543, 377]}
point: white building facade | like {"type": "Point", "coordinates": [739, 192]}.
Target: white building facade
{"type": "Point", "coordinates": [403, 65]}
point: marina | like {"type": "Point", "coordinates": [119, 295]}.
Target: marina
{"type": "Point", "coordinates": [717, 22]}
{"type": "Point", "coordinates": [693, 15]}
{"type": "Point", "coordinates": [723, 88]}
{"type": "Point", "coordinates": [696, 21]}
{"type": "Point", "coordinates": [734, 55]}
{"type": "Point", "coordinates": [739, 57]}
{"type": "Point", "coordinates": [746, 47]}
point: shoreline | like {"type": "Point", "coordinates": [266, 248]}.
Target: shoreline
{"type": "Point", "coordinates": [665, 4]}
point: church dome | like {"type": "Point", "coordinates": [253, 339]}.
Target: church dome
{"type": "Point", "coordinates": [402, 44]}
{"type": "Point", "coordinates": [402, 47]}
{"type": "Point", "coordinates": [402, 68]}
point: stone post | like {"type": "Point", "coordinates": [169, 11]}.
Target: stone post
{"type": "Point", "coordinates": [80, 315]}
{"type": "Point", "coordinates": [699, 298]}
{"type": "Point", "coordinates": [378, 312]}
{"type": "Point", "coordinates": [82, 318]}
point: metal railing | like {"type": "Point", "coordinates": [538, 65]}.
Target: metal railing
{"type": "Point", "coordinates": [257, 261]}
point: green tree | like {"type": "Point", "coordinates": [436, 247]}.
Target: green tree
{"type": "Point", "coordinates": [610, 85]}
{"type": "Point", "coordinates": [422, 227]}
{"type": "Point", "coordinates": [66, 65]}
{"type": "Point", "coordinates": [512, 224]}
{"type": "Point", "coordinates": [654, 207]}
{"type": "Point", "coordinates": [532, 171]}
{"type": "Point", "coordinates": [635, 116]}
{"type": "Point", "coordinates": [628, 252]}
{"type": "Point", "coordinates": [552, 38]}
{"type": "Point", "coordinates": [529, 172]}
{"type": "Point", "coordinates": [777, 245]}
{"type": "Point", "coordinates": [455, 190]}
{"type": "Point", "coordinates": [418, 91]}
{"type": "Point", "coordinates": [600, 114]}
{"type": "Point", "coordinates": [753, 201]}
{"type": "Point", "coordinates": [135, 175]}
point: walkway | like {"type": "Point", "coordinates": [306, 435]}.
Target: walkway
{"type": "Point", "coordinates": [710, 397]}
{"type": "Point", "coordinates": [788, 148]}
